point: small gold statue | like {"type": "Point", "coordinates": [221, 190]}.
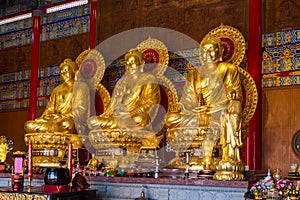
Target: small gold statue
{"type": "Point", "coordinates": [231, 139]}
{"type": "Point", "coordinates": [57, 116]}
{"type": "Point", "coordinates": [133, 103]}
{"type": "Point", "coordinates": [3, 149]}
{"type": "Point", "coordinates": [277, 174]}
{"type": "Point", "coordinates": [93, 163]}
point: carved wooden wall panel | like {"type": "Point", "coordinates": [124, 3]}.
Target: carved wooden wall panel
{"type": "Point", "coordinates": [53, 52]}
{"type": "Point", "coordinates": [280, 15]}
{"type": "Point", "coordinates": [15, 59]}
{"type": "Point", "coordinates": [193, 18]}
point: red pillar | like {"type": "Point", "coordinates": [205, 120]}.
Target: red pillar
{"type": "Point", "coordinates": [35, 44]}
{"type": "Point", "coordinates": [93, 24]}
{"type": "Point", "coordinates": [254, 68]}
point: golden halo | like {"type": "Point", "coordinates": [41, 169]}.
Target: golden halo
{"type": "Point", "coordinates": [104, 94]}
{"type": "Point", "coordinates": [233, 43]}
{"type": "Point", "coordinates": [82, 56]}
{"type": "Point", "coordinates": [92, 67]}
{"type": "Point", "coordinates": [94, 72]}
{"type": "Point", "coordinates": [251, 95]}
{"type": "Point", "coordinates": [155, 51]}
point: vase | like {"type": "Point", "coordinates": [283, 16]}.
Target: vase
{"type": "Point", "coordinates": [258, 195]}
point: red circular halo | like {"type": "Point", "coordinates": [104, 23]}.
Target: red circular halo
{"type": "Point", "coordinates": [151, 59]}
{"type": "Point", "coordinates": [88, 69]}
{"type": "Point", "coordinates": [228, 46]}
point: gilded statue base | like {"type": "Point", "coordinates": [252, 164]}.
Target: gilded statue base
{"type": "Point", "coordinates": [116, 138]}
{"type": "Point", "coordinates": [179, 163]}
{"type": "Point", "coordinates": [48, 149]}
{"type": "Point", "coordinates": [115, 162]}
{"type": "Point", "coordinates": [191, 139]}
{"type": "Point", "coordinates": [230, 170]}
{"type": "Point", "coordinates": [123, 145]}
{"type": "Point", "coordinates": [183, 138]}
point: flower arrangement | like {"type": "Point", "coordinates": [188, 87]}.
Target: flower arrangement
{"type": "Point", "coordinates": [293, 192]}
{"type": "Point", "coordinates": [258, 189]}
{"type": "Point", "coordinates": [283, 185]}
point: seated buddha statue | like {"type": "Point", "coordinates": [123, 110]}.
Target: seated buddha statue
{"type": "Point", "coordinates": [135, 99]}
{"type": "Point", "coordinates": [204, 101]}
{"type": "Point", "coordinates": [57, 117]}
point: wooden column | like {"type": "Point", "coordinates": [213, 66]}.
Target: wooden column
{"type": "Point", "coordinates": [254, 63]}
{"type": "Point", "coordinates": [34, 81]}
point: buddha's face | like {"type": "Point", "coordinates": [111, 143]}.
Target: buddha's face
{"type": "Point", "coordinates": [66, 73]}
{"type": "Point", "coordinates": [211, 51]}
{"type": "Point", "coordinates": [3, 152]}
{"type": "Point", "coordinates": [132, 64]}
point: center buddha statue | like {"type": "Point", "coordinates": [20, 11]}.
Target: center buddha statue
{"type": "Point", "coordinates": [135, 99]}
{"type": "Point", "coordinates": [57, 117]}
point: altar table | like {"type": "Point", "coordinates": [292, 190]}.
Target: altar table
{"type": "Point", "coordinates": [129, 188]}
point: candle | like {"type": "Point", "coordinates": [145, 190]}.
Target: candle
{"type": "Point", "coordinates": [70, 159]}
{"type": "Point", "coordinates": [30, 160]}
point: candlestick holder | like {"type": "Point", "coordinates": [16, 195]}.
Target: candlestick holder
{"type": "Point", "coordinates": [29, 182]}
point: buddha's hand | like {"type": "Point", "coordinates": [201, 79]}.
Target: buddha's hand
{"type": "Point", "coordinates": [200, 109]}
{"type": "Point", "coordinates": [93, 122]}
{"type": "Point", "coordinates": [53, 117]}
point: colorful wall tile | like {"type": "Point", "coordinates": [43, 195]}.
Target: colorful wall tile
{"type": "Point", "coordinates": [14, 87]}
{"type": "Point", "coordinates": [281, 58]}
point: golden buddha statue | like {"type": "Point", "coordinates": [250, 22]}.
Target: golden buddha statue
{"type": "Point", "coordinates": [52, 132]}
{"type": "Point", "coordinates": [134, 100]}
{"type": "Point", "coordinates": [213, 113]}
{"type": "Point", "coordinates": [57, 116]}
{"type": "Point", "coordinates": [132, 119]}
{"type": "Point", "coordinates": [128, 120]}
{"type": "Point", "coordinates": [204, 102]}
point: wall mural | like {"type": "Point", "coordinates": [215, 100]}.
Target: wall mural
{"type": "Point", "coordinates": [193, 18]}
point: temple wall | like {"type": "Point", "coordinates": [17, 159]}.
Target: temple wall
{"type": "Point", "coordinates": [280, 123]}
